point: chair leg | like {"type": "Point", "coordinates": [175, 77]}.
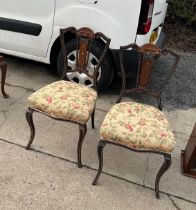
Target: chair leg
{"type": "Point", "coordinates": [93, 119]}
{"type": "Point", "coordinates": [160, 105]}
{"type": "Point", "coordinates": [166, 164]}
{"type": "Point", "coordinates": [3, 67]}
{"type": "Point", "coordinates": [100, 147]}
{"type": "Point", "coordinates": [82, 130]}
{"type": "Point", "coordinates": [120, 96]}
{"type": "Point", "coordinates": [29, 119]}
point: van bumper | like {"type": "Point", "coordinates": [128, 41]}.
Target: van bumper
{"type": "Point", "coordinates": [161, 41]}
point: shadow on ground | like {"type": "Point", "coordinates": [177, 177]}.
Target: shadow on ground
{"type": "Point", "coordinates": [180, 92]}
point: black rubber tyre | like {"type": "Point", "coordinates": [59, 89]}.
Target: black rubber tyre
{"type": "Point", "coordinates": [107, 71]}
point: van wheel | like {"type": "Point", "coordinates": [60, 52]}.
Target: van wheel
{"type": "Point", "coordinates": [105, 74]}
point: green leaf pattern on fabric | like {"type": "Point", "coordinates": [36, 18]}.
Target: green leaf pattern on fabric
{"type": "Point", "coordinates": [65, 100]}
{"type": "Point", "coordinates": [138, 126]}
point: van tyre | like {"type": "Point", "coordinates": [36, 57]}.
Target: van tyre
{"type": "Point", "coordinates": [105, 74]}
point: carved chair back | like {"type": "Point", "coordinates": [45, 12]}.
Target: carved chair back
{"type": "Point", "coordinates": [85, 38]}
{"type": "Point", "coordinates": [149, 55]}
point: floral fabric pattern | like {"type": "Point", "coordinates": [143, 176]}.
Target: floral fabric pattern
{"type": "Point", "coordinates": [138, 126]}
{"type": "Point", "coordinates": [65, 100]}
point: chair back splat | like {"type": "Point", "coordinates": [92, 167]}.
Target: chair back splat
{"type": "Point", "coordinates": [149, 55]}
{"type": "Point", "coordinates": [85, 39]}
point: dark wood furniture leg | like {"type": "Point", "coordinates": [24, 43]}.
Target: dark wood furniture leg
{"type": "Point", "coordinates": [188, 156]}
{"type": "Point", "coordinates": [93, 119]}
{"type": "Point", "coordinates": [100, 147]}
{"type": "Point", "coordinates": [29, 118]}
{"type": "Point", "coordinates": [165, 166]}
{"type": "Point", "coordinates": [3, 67]}
{"type": "Point", "coordinates": [82, 130]}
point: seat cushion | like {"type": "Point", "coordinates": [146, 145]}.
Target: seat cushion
{"type": "Point", "coordinates": [138, 126]}
{"type": "Point", "coordinates": [65, 100]}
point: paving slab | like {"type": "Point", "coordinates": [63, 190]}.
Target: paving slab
{"type": "Point", "coordinates": [182, 204]}
{"type": "Point", "coordinates": [31, 180]}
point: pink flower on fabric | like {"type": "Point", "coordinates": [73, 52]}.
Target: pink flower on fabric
{"type": "Point", "coordinates": [105, 124]}
{"type": "Point", "coordinates": [161, 118]}
{"type": "Point", "coordinates": [75, 106]}
{"type": "Point", "coordinates": [163, 135]}
{"type": "Point", "coordinates": [142, 121]}
{"type": "Point", "coordinates": [64, 97]}
{"type": "Point", "coordinates": [60, 89]}
{"type": "Point", "coordinates": [129, 110]}
{"type": "Point", "coordinates": [129, 127]}
{"type": "Point", "coordinates": [137, 109]}
{"type": "Point", "coordinates": [49, 100]}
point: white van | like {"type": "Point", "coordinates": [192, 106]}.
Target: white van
{"type": "Point", "coordinates": [30, 29]}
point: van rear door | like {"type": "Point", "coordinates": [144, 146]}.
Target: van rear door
{"type": "Point", "coordinates": [159, 13]}
{"type": "Point", "coordinates": [152, 17]}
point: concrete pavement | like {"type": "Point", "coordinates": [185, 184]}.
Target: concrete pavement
{"type": "Point", "coordinates": [47, 177]}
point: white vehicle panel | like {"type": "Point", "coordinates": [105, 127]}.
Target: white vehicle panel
{"type": "Point", "coordinates": [35, 11]}
{"type": "Point", "coordinates": [117, 19]}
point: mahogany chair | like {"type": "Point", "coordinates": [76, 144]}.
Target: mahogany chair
{"type": "Point", "coordinates": [135, 126]}
{"type": "Point", "coordinates": [3, 67]}
{"type": "Point", "coordinates": [70, 101]}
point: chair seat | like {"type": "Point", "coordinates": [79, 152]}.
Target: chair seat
{"type": "Point", "coordinates": [138, 126]}
{"type": "Point", "coordinates": [65, 100]}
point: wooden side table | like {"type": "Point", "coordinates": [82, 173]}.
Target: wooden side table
{"type": "Point", "coordinates": [188, 156]}
{"type": "Point", "coordinates": [3, 67]}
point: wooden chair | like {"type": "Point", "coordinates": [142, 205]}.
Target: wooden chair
{"type": "Point", "coordinates": [3, 67]}
{"type": "Point", "coordinates": [136, 126]}
{"type": "Point", "coordinates": [69, 101]}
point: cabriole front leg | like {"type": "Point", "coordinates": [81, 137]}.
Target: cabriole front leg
{"type": "Point", "coordinates": [160, 104]}
{"type": "Point", "coordinates": [82, 130]}
{"type": "Point", "coordinates": [29, 119]}
{"type": "Point", "coordinates": [100, 147]}
{"type": "Point", "coordinates": [3, 67]}
{"type": "Point", "coordinates": [93, 119]}
{"type": "Point", "coordinates": [166, 164]}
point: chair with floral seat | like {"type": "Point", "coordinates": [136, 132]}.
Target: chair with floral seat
{"type": "Point", "coordinates": [136, 126]}
{"type": "Point", "coordinates": [3, 67]}
{"type": "Point", "coordinates": [69, 101]}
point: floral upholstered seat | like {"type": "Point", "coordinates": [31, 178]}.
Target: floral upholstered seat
{"type": "Point", "coordinates": [65, 100]}
{"type": "Point", "coordinates": [138, 126]}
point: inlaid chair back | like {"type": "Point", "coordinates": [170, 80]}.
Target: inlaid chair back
{"type": "Point", "coordinates": [85, 38]}
{"type": "Point", "coordinates": [147, 81]}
